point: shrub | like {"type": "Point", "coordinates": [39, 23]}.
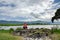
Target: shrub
{"type": "Point", "coordinates": [11, 30]}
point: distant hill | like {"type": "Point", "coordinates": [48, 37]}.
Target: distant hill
{"type": "Point", "coordinates": [21, 22]}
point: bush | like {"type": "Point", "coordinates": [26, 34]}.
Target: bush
{"type": "Point", "coordinates": [11, 30]}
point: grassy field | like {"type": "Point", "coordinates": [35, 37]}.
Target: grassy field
{"type": "Point", "coordinates": [5, 35]}
{"type": "Point", "coordinates": [11, 24]}
{"type": "Point", "coordinates": [55, 36]}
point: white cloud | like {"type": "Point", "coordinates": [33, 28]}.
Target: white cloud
{"type": "Point", "coordinates": [42, 9]}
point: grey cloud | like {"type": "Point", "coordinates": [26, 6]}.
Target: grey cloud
{"type": "Point", "coordinates": [33, 2]}
{"type": "Point", "coordinates": [34, 15]}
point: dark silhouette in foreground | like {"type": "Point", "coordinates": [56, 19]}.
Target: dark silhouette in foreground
{"type": "Point", "coordinates": [57, 15]}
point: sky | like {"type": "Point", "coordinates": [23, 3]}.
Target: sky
{"type": "Point", "coordinates": [28, 10]}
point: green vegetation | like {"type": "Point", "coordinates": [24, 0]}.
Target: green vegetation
{"type": "Point", "coordinates": [6, 35]}
{"type": "Point", "coordinates": [27, 24]}
{"type": "Point", "coordinates": [11, 24]}
{"type": "Point", "coordinates": [55, 30]}
{"type": "Point", "coordinates": [22, 24]}
{"type": "Point", "coordinates": [56, 33]}
{"type": "Point", "coordinates": [11, 30]}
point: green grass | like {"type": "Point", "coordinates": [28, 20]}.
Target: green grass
{"type": "Point", "coordinates": [11, 24]}
{"type": "Point", "coordinates": [56, 30]}
{"type": "Point", "coordinates": [5, 35]}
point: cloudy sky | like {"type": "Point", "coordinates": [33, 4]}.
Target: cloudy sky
{"type": "Point", "coordinates": [28, 10]}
